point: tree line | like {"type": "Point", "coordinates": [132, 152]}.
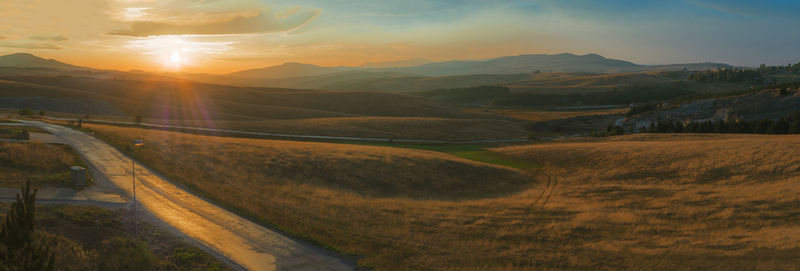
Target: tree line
{"type": "Point", "coordinates": [624, 96]}
{"type": "Point", "coordinates": [502, 96]}
{"type": "Point", "coordinates": [746, 75]}
{"type": "Point", "coordinates": [786, 125]}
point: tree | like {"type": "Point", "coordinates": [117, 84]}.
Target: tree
{"type": "Point", "coordinates": [794, 128]}
{"type": "Point", "coordinates": [19, 250]}
{"type": "Point", "coordinates": [25, 111]}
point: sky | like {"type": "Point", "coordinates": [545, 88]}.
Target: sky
{"type": "Point", "coordinates": [222, 36]}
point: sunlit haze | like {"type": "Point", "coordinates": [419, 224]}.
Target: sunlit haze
{"type": "Point", "coordinates": [216, 36]}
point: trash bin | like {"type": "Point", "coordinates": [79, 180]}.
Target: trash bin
{"type": "Point", "coordinates": [78, 175]}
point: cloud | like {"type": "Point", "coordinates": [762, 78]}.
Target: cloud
{"type": "Point", "coordinates": [262, 22]}
{"type": "Point", "coordinates": [752, 8]}
{"type": "Point", "coordinates": [27, 45]}
{"type": "Point", "coordinates": [53, 37]}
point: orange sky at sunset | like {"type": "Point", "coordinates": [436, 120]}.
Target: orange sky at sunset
{"type": "Point", "coordinates": [216, 36]}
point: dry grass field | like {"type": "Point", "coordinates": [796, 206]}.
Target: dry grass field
{"type": "Point", "coordinates": [307, 112]}
{"type": "Point", "coordinates": [676, 202]}
{"type": "Point", "coordinates": [545, 115]}
{"type": "Point", "coordinates": [85, 237]}
{"type": "Point", "coordinates": [681, 201]}
{"type": "Point", "coordinates": [183, 100]}
{"type": "Point", "coordinates": [566, 83]}
{"type": "Point", "coordinates": [43, 164]}
{"type": "Point", "coordinates": [376, 127]}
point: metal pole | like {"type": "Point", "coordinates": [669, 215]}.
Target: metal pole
{"type": "Point", "coordinates": [133, 174]}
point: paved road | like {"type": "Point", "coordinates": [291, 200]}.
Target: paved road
{"type": "Point", "coordinates": [240, 240]}
{"type": "Point", "coordinates": [315, 137]}
{"type": "Point", "coordinates": [90, 196]}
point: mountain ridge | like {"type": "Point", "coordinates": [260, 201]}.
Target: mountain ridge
{"type": "Point", "coordinates": [525, 63]}
{"type": "Point", "coordinates": [27, 60]}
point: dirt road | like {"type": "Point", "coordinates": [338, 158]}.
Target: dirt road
{"type": "Point", "coordinates": [245, 243]}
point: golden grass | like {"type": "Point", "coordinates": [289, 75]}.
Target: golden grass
{"type": "Point", "coordinates": [636, 202]}
{"type": "Point", "coordinates": [378, 127]}
{"type": "Point", "coordinates": [713, 197]}
{"type": "Point", "coordinates": [43, 164]}
{"type": "Point", "coordinates": [545, 115]}
{"type": "Point", "coordinates": [566, 83]}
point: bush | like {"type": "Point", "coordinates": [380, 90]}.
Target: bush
{"type": "Point", "coordinates": [25, 112]}
{"type": "Point", "coordinates": [636, 109]}
{"type": "Point", "coordinates": [124, 254]}
{"type": "Point", "coordinates": [88, 215]}
{"type": "Point", "coordinates": [191, 258]}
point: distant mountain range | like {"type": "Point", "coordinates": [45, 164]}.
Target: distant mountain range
{"type": "Point", "coordinates": [395, 63]}
{"type": "Point", "coordinates": [25, 60]}
{"type": "Point", "coordinates": [404, 75]}
{"type": "Point", "coordinates": [566, 62]}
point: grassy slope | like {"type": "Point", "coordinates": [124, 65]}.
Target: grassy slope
{"type": "Point", "coordinates": [681, 201]}
{"type": "Point", "coordinates": [379, 127]}
{"type": "Point", "coordinates": [178, 99]}
{"type": "Point", "coordinates": [361, 114]}
{"type": "Point", "coordinates": [633, 202]}
{"type": "Point", "coordinates": [79, 237]}
{"type": "Point", "coordinates": [545, 115]}
{"type": "Point", "coordinates": [474, 152]}
{"type": "Point", "coordinates": [79, 231]}
{"type": "Point", "coordinates": [43, 164]}
{"type": "Point", "coordinates": [398, 208]}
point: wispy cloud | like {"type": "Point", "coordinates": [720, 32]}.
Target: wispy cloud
{"type": "Point", "coordinates": [263, 22]}
{"type": "Point", "coordinates": [53, 37]}
{"type": "Point", "coordinates": [27, 45]}
{"type": "Point", "coordinates": [752, 8]}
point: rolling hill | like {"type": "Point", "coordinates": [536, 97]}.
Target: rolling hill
{"type": "Point", "coordinates": [290, 111]}
{"type": "Point", "coordinates": [435, 75]}
{"type": "Point", "coordinates": [25, 60]}
{"type": "Point", "coordinates": [524, 64]}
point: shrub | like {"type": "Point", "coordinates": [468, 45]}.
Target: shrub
{"type": "Point", "coordinates": [124, 254]}
{"type": "Point", "coordinates": [636, 109]}
{"type": "Point", "coordinates": [25, 111]}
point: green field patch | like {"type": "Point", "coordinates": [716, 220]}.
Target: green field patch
{"type": "Point", "coordinates": [474, 152]}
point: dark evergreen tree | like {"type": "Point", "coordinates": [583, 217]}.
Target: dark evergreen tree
{"type": "Point", "coordinates": [794, 127]}
{"type": "Point", "coordinates": [19, 249]}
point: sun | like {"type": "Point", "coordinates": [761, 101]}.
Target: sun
{"type": "Point", "coordinates": [175, 58]}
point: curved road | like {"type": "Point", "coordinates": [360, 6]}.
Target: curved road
{"type": "Point", "coordinates": [243, 242]}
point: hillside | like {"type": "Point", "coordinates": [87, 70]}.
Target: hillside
{"type": "Point", "coordinates": [769, 104]}
{"type": "Point", "coordinates": [25, 60]}
{"type": "Point", "coordinates": [565, 62]}
{"type": "Point", "coordinates": [291, 69]}
{"type": "Point", "coordinates": [524, 72]}
{"type": "Point", "coordinates": [307, 112]}
{"type": "Point", "coordinates": [434, 75]}
{"type": "Point", "coordinates": [631, 202]}
{"type": "Point", "coordinates": [182, 97]}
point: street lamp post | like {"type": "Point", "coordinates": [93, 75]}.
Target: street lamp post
{"type": "Point", "coordinates": [136, 143]}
